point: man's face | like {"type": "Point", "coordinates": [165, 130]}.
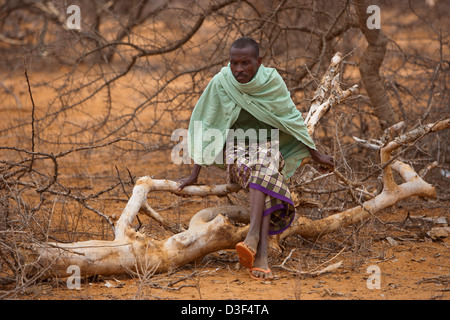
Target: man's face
{"type": "Point", "coordinates": [244, 63]}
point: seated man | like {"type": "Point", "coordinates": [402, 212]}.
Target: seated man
{"type": "Point", "coordinates": [246, 97]}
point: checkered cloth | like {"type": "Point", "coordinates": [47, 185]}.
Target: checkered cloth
{"type": "Point", "coordinates": [258, 166]}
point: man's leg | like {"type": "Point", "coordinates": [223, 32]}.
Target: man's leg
{"type": "Point", "coordinates": [257, 199]}
{"type": "Point", "coordinates": [258, 235]}
{"type": "Point", "coordinates": [261, 259]}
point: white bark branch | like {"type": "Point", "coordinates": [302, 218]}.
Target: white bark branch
{"type": "Point", "coordinates": [328, 94]}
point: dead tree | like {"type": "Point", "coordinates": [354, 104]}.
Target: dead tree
{"type": "Point", "coordinates": [370, 65]}
{"type": "Point", "coordinates": [213, 229]}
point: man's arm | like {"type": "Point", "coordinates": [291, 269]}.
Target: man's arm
{"type": "Point", "coordinates": [192, 178]}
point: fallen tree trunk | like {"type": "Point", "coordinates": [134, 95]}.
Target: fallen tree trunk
{"type": "Point", "coordinates": [414, 186]}
{"type": "Point", "coordinates": [392, 193]}
{"type": "Point", "coordinates": [214, 229]}
{"type": "Point", "coordinates": [208, 232]}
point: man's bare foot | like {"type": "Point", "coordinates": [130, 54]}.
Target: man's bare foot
{"type": "Point", "coordinates": [260, 269]}
{"type": "Point", "coordinates": [261, 274]}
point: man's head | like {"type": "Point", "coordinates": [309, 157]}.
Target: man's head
{"type": "Point", "coordinates": [244, 59]}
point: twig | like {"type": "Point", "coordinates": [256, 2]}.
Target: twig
{"type": "Point", "coordinates": [315, 271]}
{"type": "Point", "coordinates": [33, 132]}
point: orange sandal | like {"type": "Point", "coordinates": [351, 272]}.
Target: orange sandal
{"type": "Point", "coordinates": [262, 270]}
{"type": "Point", "coordinates": [246, 255]}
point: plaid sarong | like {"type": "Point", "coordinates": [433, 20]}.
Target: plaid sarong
{"type": "Point", "coordinates": [258, 166]}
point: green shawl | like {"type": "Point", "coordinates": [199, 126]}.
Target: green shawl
{"type": "Point", "coordinates": [266, 98]}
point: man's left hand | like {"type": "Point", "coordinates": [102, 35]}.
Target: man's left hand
{"type": "Point", "coordinates": [322, 159]}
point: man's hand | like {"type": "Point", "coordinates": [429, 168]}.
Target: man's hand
{"type": "Point", "coordinates": [191, 179]}
{"type": "Point", "coordinates": [322, 159]}
{"type": "Point", "coordinates": [187, 182]}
